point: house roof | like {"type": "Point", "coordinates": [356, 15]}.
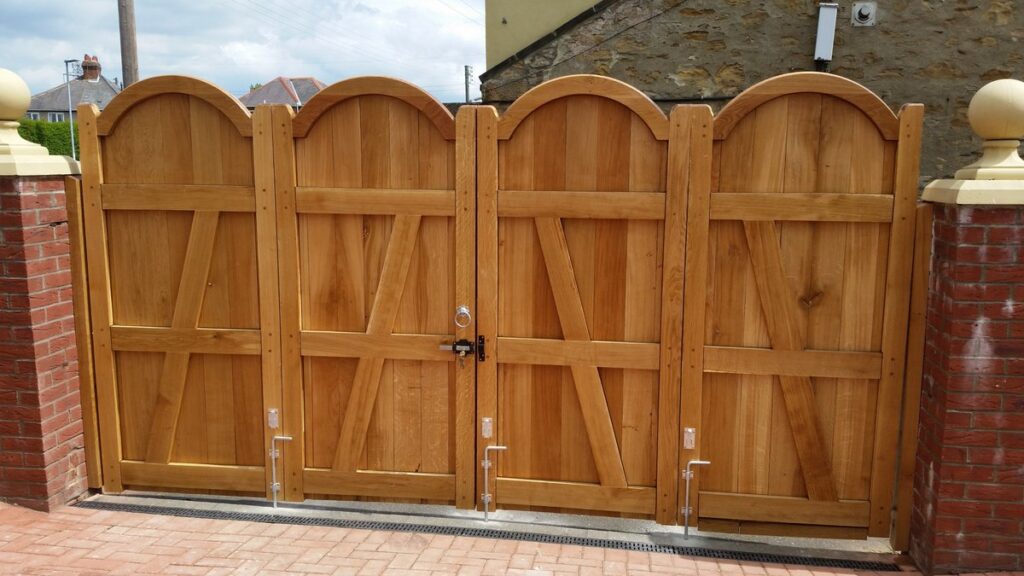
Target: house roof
{"type": "Point", "coordinates": [282, 90]}
{"type": "Point", "coordinates": [98, 92]}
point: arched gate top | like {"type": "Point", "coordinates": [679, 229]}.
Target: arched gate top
{"type": "Point", "coordinates": [802, 82]}
{"type": "Point", "coordinates": [227, 104]}
{"type": "Point", "coordinates": [367, 85]}
{"type": "Point", "coordinates": [586, 84]}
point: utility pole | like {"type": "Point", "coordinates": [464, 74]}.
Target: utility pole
{"type": "Point", "coordinates": [469, 78]}
{"type": "Point", "coordinates": [129, 48]}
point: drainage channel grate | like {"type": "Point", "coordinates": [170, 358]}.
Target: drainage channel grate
{"type": "Point", "coordinates": [496, 534]}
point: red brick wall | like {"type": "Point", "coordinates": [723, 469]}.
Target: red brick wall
{"type": "Point", "coordinates": [969, 482]}
{"type": "Point", "coordinates": [42, 461]}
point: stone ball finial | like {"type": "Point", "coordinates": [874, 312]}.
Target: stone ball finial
{"type": "Point", "coordinates": [14, 96]}
{"type": "Point", "coordinates": [997, 111]}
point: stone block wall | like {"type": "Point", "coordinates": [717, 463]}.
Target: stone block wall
{"type": "Point", "coordinates": [969, 481]}
{"type": "Point", "coordinates": [42, 460]}
{"type": "Point", "coordinates": [937, 53]}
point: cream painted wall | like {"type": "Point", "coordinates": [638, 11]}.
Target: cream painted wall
{"type": "Point", "coordinates": [525, 21]}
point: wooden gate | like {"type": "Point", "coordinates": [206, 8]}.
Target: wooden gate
{"type": "Point", "coordinates": [580, 253]}
{"type": "Point", "coordinates": [798, 271]}
{"type": "Point", "coordinates": [377, 252]}
{"type": "Point", "coordinates": [312, 264]}
{"type": "Point", "coordinates": [182, 319]}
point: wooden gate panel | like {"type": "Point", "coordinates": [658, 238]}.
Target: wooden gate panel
{"type": "Point", "coordinates": [580, 206]}
{"type": "Point", "coordinates": [171, 205]}
{"type": "Point", "coordinates": [376, 231]}
{"type": "Point", "coordinates": [800, 211]}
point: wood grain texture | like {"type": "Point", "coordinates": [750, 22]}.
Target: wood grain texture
{"type": "Point", "coordinates": [99, 297]}
{"type": "Point", "coordinates": [812, 82]}
{"type": "Point", "coordinates": [187, 306]}
{"type": "Point", "coordinates": [899, 537]}
{"type": "Point", "coordinates": [190, 340]}
{"type": "Point", "coordinates": [565, 86]}
{"type": "Point", "coordinates": [487, 273]}
{"type": "Point", "coordinates": [587, 379]}
{"type": "Point", "coordinates": [802, 207]}
{"type": "Point", "coordinates": [894, 323]}
{"type": "Point", "coordinates": [465, 295]}
{"type": "Point", "coordinates": [313, 200]}
{"type": "Point", "coordinates": [121, 104]}
{"type": "Point", "coordinates": [543, 351]}
{"type": "Point", "coordinates": [380, 85]}
{"type": "Point", "coordinates": [247, 479]}
{"type": "Point", "coordinates": [576, 496]}
{"type": "Point", "coordinates": [785, 510]}
{"type": "Point", "coordinates": [354, 424]}
{"type": "Point", "coordinates": [187, 197]}
{"type": "Point", "coordinates": [585, 205]}
{"type": "Point", "coordinates": [816, 363]}
{"type": "Point", "coordinates": [83, 330]}
{"type": "Point", "coordinates": [389, 485]}
{"type": "Point", "coordinates": [784, 333]}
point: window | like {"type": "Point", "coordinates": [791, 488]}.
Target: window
{"type": "Point", "coordinates": [55, 116]}
{"type": "Point", "coordinates": [32, 115]}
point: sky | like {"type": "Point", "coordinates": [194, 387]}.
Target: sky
{"type": "Point", "coordinates": [236, 43]}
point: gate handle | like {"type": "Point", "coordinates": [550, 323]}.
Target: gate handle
{"type": "Point", "coordinates": [462, 316]}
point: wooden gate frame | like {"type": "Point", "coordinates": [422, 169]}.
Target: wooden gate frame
{"type": "Point", "coordinates": [905, 130]}
{"type": "Point", "coordinates": [690, 133]}
{"type": "Point", "coordinates": [677, 131]}
{"type": "Point", "coordinates": [184, 337]}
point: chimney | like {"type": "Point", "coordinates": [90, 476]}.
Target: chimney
{"type": "Point", "coordinates": [91, 68]}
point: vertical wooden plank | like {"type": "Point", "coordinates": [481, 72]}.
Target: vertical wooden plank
{"type": "Point", "coordinates": [684, 122]}
{"type": "Point", "coordinates": [263, 133]}
{"type": "Point", "coordinates": [487, 270]}
{"type": "Point", "coordinates": [83, 330]}
{"type": "Point", "coordinates": [695, 301]}
{"type": "Point", "coordinates": [287, 238]}
{"type": "Point", "coordinates": [900, 535]}
{"type": "Point", "coordinates": [99, 298]}
{"type": "Point", "coordinates": [465, 294]}
{"type": "Point", "coordinates": [897, 300]}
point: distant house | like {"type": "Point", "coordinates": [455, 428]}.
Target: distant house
{"type": "Point", "coordinates": [89, 88]}
{"type": "Point", "coordinates": [294, 92]}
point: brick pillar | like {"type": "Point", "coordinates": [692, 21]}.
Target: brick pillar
{"type": "Point", "coordinates": [969, 483]}
{"type": "Point", "coordinates": [42, 460]}
{"type": "Point", "coordinates": [968, 511]}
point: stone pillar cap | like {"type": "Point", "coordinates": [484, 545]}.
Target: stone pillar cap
{"type": "Point", "coordinates": [996, 114]}
{"type": "Point", "coordinates": [19, 157]}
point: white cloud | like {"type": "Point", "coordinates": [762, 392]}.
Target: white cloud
{"type": "Point", "coordinates": [234, 43]}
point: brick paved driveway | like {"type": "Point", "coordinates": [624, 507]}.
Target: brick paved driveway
{"type": "Point", "coordinates": [81, 541]}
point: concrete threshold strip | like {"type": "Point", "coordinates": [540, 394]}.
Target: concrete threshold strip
{"type": "Point", "coordinates": [595, 531]}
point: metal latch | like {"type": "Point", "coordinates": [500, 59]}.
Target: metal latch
{"type": "Point", "coordinates": [464, 347]}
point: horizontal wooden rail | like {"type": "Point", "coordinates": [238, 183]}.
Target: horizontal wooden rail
{"type": "Point", "coordinates": [815, 363]}
{"type": "Point", "coordinates": [314, 200]}
{"type": "Point", "coordinates": [802, 207]}
{"type": "Point", "coordinates": [195, 340]}
{"type": "Point", "coordinates": [194, 476]}
{"type": "Point", "coordinates": [631, 500]}
{"type": "Point", "coordinates": [576, 204]}
{"type": "Point", "coordinates": [207, 197]}
{"type": "Point", "coordinates": [361, 345]}
{"type": "Point", "coordinates": [637, 355]}
{"type": "Point", "coordinates": [783, 509]}
{"type": "Point", "coordinates": [379, 484]}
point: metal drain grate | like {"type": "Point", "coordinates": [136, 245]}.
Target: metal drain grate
{"type": "Point", "coordinates": [496, 534]}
